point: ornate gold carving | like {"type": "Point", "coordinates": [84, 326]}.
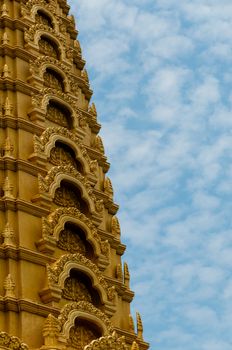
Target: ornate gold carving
{"type": "Point", "coordinates": [65, 197]}
{"type": "Point", "coordinates": [59, 155]}
{"type": "Point", "coordinates": [42, 18]}
{"type": "Point", "coordinates": [85, 76]}
{"type": "Point", "coordinates": [53, 81]}
{"type": "Point", "coordinates": [118, 272]}
{"type": "Point", "coordinates": [47, 48]}
{"type": "Point", "coordinates": [8, 148]}
{"type": "Point", "coordinates": [54, 271]}
{"type": "Point", "coordinates": [80, 336]}
{"type": "Point", "coordinates": [5, 40]}
{"type": "Point", "coordinates": [8, 235]}
{"type": "Point", "coordinates": [139, 326]}
{"type": "Point", "coordinates": [49, 223]}
{"type": "Point", "coordinates": [131, 324]}
{"type": "Point", "coordinates": [49, 133]}
{"type": "Point", "coordinates": [77, 46]}
{"type": "Point", "coordinates": [111, 342]}
{"type": "Point", "coordinates": [9, 287]}
{"type": "Point", "coordinates": [92, 110]}
{"type": "Point", "coordinates": [56, 115]}
{"type": "Point", "coordinates": [87, 308]}
{"type": "Point", "coordinates": [28, 5]}
{"type": "Point", "coordinates": [108, 188]}
{"type": "Point", "coordinates": [76, 291]}
{"type": "Point", "coordinates": [8, 188]}
{"type": "Point", "coordinates": [5, 71]}
{"type": "Point", "coordinates": [68, 170]}
{"type": "Point", "coordinates": [105, 248]}
{"type": "Point", "coordinates": [126, 275]}
{"type": "Point", "coordinates": [115, 227]}
{"type": "Point", "coordinates": [134, 346]}
{"type": "Point", "coordinates": [4, 10]}
{"type": "Point", "coordinates": [98, 144]}
{"type": "Point", "coordinates": [7, 107]}
{"type": "Point", "coordinates": [11, 342]}
{"type": "Point", "coordinates": [71, 242]}
{"type": "Point", "coordinates": [30, 34]}
{"type": "Point", "coordinates": [51, 330]}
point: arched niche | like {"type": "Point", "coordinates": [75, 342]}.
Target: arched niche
{"type": "Point", "coordinates": [82, 333]}
{"type": "Point", "coordinates": [68, 195]}
{"type": "Point", "coordinates": [52, 79]}
{"type": "Point", "coordinates": [72, 239]}
{"type": "Point", "coordinates": [48, 47]}
{"type": "Point", "coordinates": [78, 287]}
{"type": "Point", "coordinates": [42, 17]}
{"type": "Point", "coordinates": [62, 153]}
{"type": "Point", "coordinates": [58, 114]}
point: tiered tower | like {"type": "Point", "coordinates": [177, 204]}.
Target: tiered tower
{"type": "Point", "coordinates": [62, 282]}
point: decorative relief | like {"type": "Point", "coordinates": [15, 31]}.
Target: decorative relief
{"type": "Point", "coordinates": [139, 326]}
{"type": "Point", "coordinates": [53, 80]}
{"type": "Point", "coordinates": [51, 330]}
{"type": "Point", "coordinates": [9, 287]}
{"type": "Point", "coordinates": [56, 115]}
{"type": "Point", "coordinates": [53, 220]}
{"type": "Point", "coordinates": [98, 144]}
{"type": "Point", "coordinates": [42, 99]}
{"type": "Point", "coordinates": [111, 342]}
{"type": "Point", "coordinates": [47, 48]}
{"type": "Point", "coordinates": [30, 34]}
{"type": "Point", "coordinates": [115, 227]}
{"type": "Point", "coordinates": [42, 18]}
{"type": "Point", "coordinates": [68, 170]}
{"type": "Point", "coordinates": [108, 188]}
{"type": "Point", "coordinates": [54, 271]}
{"type": "Point", "coordinates": [8, 148]}
{"type": "Point", "coordinates": [87, 308]}
{"type": "Point", "coordinates": [71, 242]}
{"type": "Point", "coordinates": [8, 235]}
{"type": "Point", "coordinates": [11, 342]}
{"type": "Point", "coordinates": [80, 336]}
{"type": "Point", "coordinates": [8, 188]}
{"type": "Point", "coordinates": [59, 155]}
{"type": "Point", "coordinates": [41, 142]}
{"type": "Point", "coordinates": [65, 197]}
{"type": "Point", "coordinates": [76, 291]}
{"type": "Point", "coordinates": [27, 6]}
{"type": "Point", "coordinates": [92, 110]}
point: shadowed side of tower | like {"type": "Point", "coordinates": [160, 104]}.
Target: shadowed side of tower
{"type": "Point", "coordinates": [62, 281]}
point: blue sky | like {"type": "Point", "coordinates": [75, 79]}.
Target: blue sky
{"type": "Point", "coordinates": [161, 72]}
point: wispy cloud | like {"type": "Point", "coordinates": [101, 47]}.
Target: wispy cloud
{"type": "Point", "coordinates": [161, 74]}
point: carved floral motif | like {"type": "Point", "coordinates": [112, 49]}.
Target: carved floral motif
{"type": "Point", "coordinates": [11, 342]}
{"type": "Point", "coordinates": [56, 115]}
{"type": "Point", "coordinates": [111, 342]}
{"type": "Point", "coordinates": [59, 155]}
{"type": "Point", "coordinates": [80, 336]}
{"type": "Point", "coordinates": [86, 307]}
{"type": "Point", "coordinates": [53, 81]}
{"type": "Point", "coordinates": [76, 291]}
{"type": "Point", "coordinates": [65, 197]}
{"type": "Point", "coordinates": [54, 271]}
{"type": "Point", "coordinates": [71, 242]}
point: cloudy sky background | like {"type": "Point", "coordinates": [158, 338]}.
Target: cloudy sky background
{"type": "Point", "coordinates": [161, 71]}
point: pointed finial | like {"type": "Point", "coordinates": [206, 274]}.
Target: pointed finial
{"type": "Point", "coordinates": [85, 76]}
{"type": "Point", "coordinates": [4, 10]}
{"type": "Point", "coordinates": [8, 148]}
{"type": "Point", "coordinates": [5, 39]}
{"type": "Point", "coordinates": [77, 46]}
{"type": "Point", "coordinates": [134, 346]}
{"type": "Point", "coordinates": [8, 188]}
{"type": "Point", "coordinates": [139, 326]}
{"type": "Point", "coordinates": [7, 107]}
{"type": "Point", "coordinates": [126, 275]}
{"type": "Point", "coordinates": [51, 330]}
{"type": "Point", "coordinates": [108, 188]}
{"type": "Point", "coordinates": [131, 324]}
{"type": "Point", "coordinates": [98, 144]}
{"type": "Point", "coordinates": [92, 110]}
{"type": "Point", "coordinates": [8, 235]}
{"type": "Point", "coordinates": [9, 287]}
{"type": "Point", "coordinates": [115, 227]}
{"type": "Point", "coordinates": [5, 71]}
{"type": "Point", "coordinates": [118, 272]}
